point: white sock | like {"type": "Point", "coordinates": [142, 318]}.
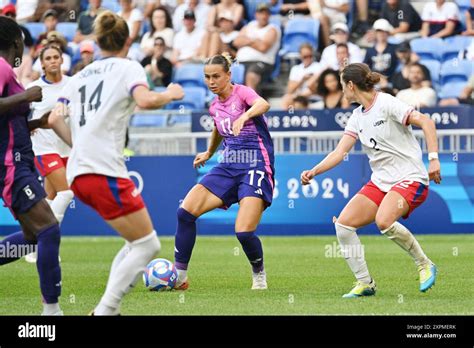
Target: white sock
{"type": "Point", "coordinates": [51, 309]}
{"type": "Point", "coordinates": [405, 239]}
{"type": "Point", "coordinates": [127, 273]}
{"type": "Point", "coordinates": [353, 252]}
{"type": "Point", "coordinates": [122, 253]}
{"type": "Point", "coordinates": [60, 204]}
{"type": "Point", "coordinates": [49, 201]}
{"type": "Point", "coordinates": [182, 274]}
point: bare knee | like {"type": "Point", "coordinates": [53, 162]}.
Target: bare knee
{"type": "Point", "coordinates": [383, 221]}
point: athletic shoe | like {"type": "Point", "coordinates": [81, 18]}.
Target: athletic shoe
{"type": "Point", "coordinates": [361, 289]}
{"type": "Point", "coordinates": [58, 313]}
{"type": "Point", "coordinates": [31, 257]}
{"type": "Point", "coordinates": [182, 285]}
{"type": "Point", "coordinates": [259, 281]}
{"type": "Point", "coordinates": [427, 276]}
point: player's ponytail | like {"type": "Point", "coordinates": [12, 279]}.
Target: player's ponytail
{"type": "Point", "coordinates": [361, 76]}
{"type": "Point", "coordinates": [111, 31]}
{"type": "Point", "coordinates": [224, 60]}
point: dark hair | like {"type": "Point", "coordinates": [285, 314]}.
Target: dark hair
{"type": "Point", "coordinates": [361, 76]}
{"type": "Point", "coordinates": [342, 44]}
{"type": "Point", "coordinates": [302, 100]}
{"type": "Point", "coordinates": [10, 32]}
{"type": "Point", "coordinates": [169, 21]}
{"type": "Point", "coordinates": [111, 31]}
{"type": "Point", "coordinates": [306, 45]}
{"type": "Point", "coordinates": [224, 60]}
{"type": "Point", "coordinates": [47, 47]}
{"type": "Point", "coordinates": [322, 90]}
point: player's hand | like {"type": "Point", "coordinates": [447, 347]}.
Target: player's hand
{"type": "Point", "coordinates": [176, 91]}
{"type": "Point", "coordinates": [201, 159]}
{"type": "Point", "coordinates": [239, 124]}
{"type": "Point", "coordinates": [33, 94]}
{"type": "Point", "coordinates": [434, 171]}
{"type": "Point", "coordinates": [307, 176]}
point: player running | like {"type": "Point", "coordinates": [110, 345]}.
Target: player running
{"type": "Point", "coordinates": [399, 181]}
{"type": "Point", "coordinates": [19, 186]}
{"type": "Point", "coordinates": [50, 151]}
{"type": "Point", "coordinates": [100, 100]}
{"type": "Point", "coordinates": [238, 114]}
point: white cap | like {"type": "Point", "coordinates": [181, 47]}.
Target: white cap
{"type": "Point", "coordinates": [340, 26]}
{"type": "Point", "coordinates": [382, 24]}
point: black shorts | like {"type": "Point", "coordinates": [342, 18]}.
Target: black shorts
{"type": "Point", "coordinates": [264, 70]}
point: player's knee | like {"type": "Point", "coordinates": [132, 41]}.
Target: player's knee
{"type": "Point", "coordinates": [383, 222]}
{"type": "Point", "coordinates": [185, 216]}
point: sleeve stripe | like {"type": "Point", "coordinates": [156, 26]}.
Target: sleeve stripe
{"type": "Point", "coordinates": [63, 100]}
{"type": "Point", "coordinates": [407, 116]}
{"type": "Point", "coordinates": [352, 134]}
{"type": "Point", "coordinates": [144, 84]}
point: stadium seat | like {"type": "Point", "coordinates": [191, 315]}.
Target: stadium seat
{"type": "Point", "coordinates": [35, 29]}
{"type": "Point", "coordinates": [148, 120]}
{"type": "Point", "coordinates": [194, 98]}
{"type": "Point", "coordinates": [297, 32]}
{"type": "Point", "coordinates": [451, 90]}
{"type": "Point", "coordinates": [455, 71]}
{"type": "Point", "coordinates": [190, 75]}
{"type": "Point", "coordinates": [451, 50]}
{"type": "Point", "coordinates": [434, 67]}
{"type": "Point", "coordinates": [428, 48]}
{"type": "Point", "coordinates": [464, 41]}
{"type": "Point", "coordinates": [67, 29]}
{"type": "Point", "coordinates": [238, 73]}
{"type": "Point", "coordinates": [112, 5]}
{"type": "Point", "coordinates": [463, 4]}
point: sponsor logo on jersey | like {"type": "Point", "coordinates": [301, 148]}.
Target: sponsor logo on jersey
{"type": "Point", "coordinates": [29, 193]}
{"type": "Point", "coordinates": [379, 123]}
{"type": "Point", "coordinates": [52, 164]}
{"type": "Point", "coordinates": [135, 192]}
{"type": "Point", "coordinates": [259, 191]}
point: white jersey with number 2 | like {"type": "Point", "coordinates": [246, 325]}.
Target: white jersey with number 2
{"type": "Point", "coordinates": [100, 104]}
{"type": "Point", "coordinates": [394, 153]}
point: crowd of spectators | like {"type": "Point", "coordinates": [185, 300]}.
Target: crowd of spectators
{"type": "Point", "coordinates": [167, 34]}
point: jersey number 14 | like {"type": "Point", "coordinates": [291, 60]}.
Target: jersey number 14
{"type": "Point", "coordinates": [94, 101]}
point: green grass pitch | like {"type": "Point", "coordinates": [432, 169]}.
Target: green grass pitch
{"type": "Point", "coordinates": [303, 277]}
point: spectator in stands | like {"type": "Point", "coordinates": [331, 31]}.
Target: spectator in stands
{"type": "Point", "coordinates": [86, 19]}
{"type": "Point", "coordinates": [187, 42]}
{"type": "Point", "coordinates": [25, 10]}
{"type": "Point", "coordinates": [57, 38]}
{"type": "Point", "coordinates": [133, 17]}
{"type": "Point", "coordinates": [382, 57]}
{"type": "Point", "coordinates": [440, 19]}
{"type": "Point", "coordinates": [417, 95]}
{"type": "Point", "coordinates": [302, 76]}
{"type": "Point", "coordinates": [340, 34]}
{"type": "Point", "coordinates": [361, 25]}
{"type": "Point", "coordinates": [329, 12]}
{"type": "Point", "coordinates": [216, 42]}
{"type": "Point", "coordinates": [301, 103]}
{"type": "Point", "coordinates": [406, 57]}
{"type": "Point", "coordinates": [200, 9]}
{"type": "Point", "coordinates": [294, 7]}
{"type": "Point", "coordinates": [150, 5]}
{"type": "Point", "coordinates": [86, 49]}
{"type": "Point", "coordinates": [330, 89]}
{"type": "Point", "coordinates": [161, 25]}
{"type": "Point", "coordinates": [343, 56]}
{"type": "Point", "coordinates": [50, 20]}
{"type": "Point", "coordinates": [469, 21]}
{"type": "Point", "coordinates": [225, 7]}
{"type": "Point", "coordinates": [258, 43]}
{"type": "Point", "coordinates": [157, 67]}
{"type": "Point", "coordinates": [406, 22]}
{"type": "Point", "coordinates": [466, 97]}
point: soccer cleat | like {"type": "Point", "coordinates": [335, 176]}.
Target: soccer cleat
{"type": "Point", "coordinates": [259, 281]}
{"type": "Point", "coordinates": [427, 276]}
{"type": "Point", "coordinates": [361, 289]}
{"type": "Point", "coordinates": [31, 257]}
{"type": "Point", "coordinates": [182, 285]}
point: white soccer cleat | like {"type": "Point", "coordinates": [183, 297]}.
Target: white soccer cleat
{"type": "Point", "coordinates": [31, 257]}
{"type": "Point", "coordinates": [259, 281]}
{"type": "Point", "coordinates": [58, 313]}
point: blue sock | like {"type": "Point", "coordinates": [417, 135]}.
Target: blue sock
{"type": "Point", "coordinates": [184, 239]}
{"type": "Point", "coordinates": [252, 248]}
{"type": "Point", "coordinates": [14, 247]}
{"type": "Point", "coordinates": [48, 264]}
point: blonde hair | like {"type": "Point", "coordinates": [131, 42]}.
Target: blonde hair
{"type": "Point", "coordinates": [225, 60]}
{"type": "Point", "coordinates": [111, 31]}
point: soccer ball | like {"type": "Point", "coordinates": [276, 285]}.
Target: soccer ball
{"type": "Point", "coordinates": [160, 275]}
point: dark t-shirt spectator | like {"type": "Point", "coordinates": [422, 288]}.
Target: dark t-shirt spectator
{"type": "Point", "coordinates": [294, 2]}
{"type": "Point", "coordinates": [404, 12]}
{"type": "Point", "coordinates": [86, 20]}
{"type": "Point", "coordinates": [384, 63]}
{"type": "Point", "coordinates": [399, 82]}
{"type": "Point", "coordinates": [164, 66]}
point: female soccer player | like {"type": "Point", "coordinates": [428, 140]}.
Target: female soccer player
{"type": "Point", "coordinates": [238, 114]}
{"type": "Point", "coordinates": [100, 100]}
{"type": "Point", "coordinates": [50, 151]}
{"type": "Point", "coordinates": [19, 186]}
{"type": "Point", "coordinates": [399, 181]}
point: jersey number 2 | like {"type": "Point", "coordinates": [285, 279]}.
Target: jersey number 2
{"type": "Point", "coordinates": [90, 105]}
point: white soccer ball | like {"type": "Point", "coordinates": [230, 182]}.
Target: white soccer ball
{"type": "Point", "coordinates": [160, 275]}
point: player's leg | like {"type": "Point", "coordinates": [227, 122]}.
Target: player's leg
{"type": "Point", "coordinates": [198, 201]}
{"type": "Point", "coordinates": [360, 211]}
{"type": "Point", "coordinates": [248, 218]}
{"type": "Point", "coordinates": [394, 206]}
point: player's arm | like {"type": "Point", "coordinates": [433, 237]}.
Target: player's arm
{"type": "Point", "coordinates": [331, 160]}
{"type": "Point", "coordinates": [57, 123]}
{"type": "Point", "coordinates": [258, 108]}
{"type": "Point", "coordinates": [32, 94]}
{"type": "Point", "coordinates": [147, 99]}
{"type": "Point", "coordinates": [41, 122]}
{"type": "Point", "coordinates": [215, 141]}
{"type": "Point", "coordinates": [422, 121]}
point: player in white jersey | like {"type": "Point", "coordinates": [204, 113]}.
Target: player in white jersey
{"type": "Point", "coordinates": [100, 100]}
{"type": "Point", "coordinates": [51, 153]}
{"type": "Point", "coordinates": [399, 181]}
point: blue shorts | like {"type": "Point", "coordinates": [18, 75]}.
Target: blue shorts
{"type": "Point", "coordinates": [231, 185]}
{"type": "Point", "coordinates": [23, 192]}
